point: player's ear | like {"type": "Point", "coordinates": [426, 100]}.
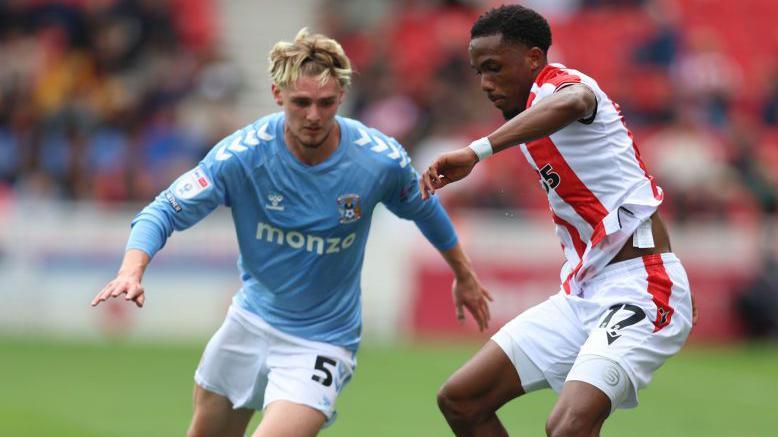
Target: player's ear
{"type": "Point", "coordinates": [535, 57]}
{"type": "Point", "coordinates": [277, 94]}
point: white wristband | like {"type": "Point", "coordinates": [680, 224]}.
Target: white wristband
{"type": "Point", "coordinates": [482, 148]}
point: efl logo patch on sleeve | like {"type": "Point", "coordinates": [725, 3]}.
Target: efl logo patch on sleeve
{"type": "Point", "coordinates": [191, 184]}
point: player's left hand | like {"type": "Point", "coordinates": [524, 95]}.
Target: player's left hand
{"type": "Point", "coordinates": [469, 293]}
{"type": "Point", "coordinates": [448, 168]}
{"type": "Point", "coordinates": [695, 313]}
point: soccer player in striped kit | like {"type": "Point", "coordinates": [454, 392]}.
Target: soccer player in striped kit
{"type": "Point", "coordinates": [624, 305]}
{"type": "Point", "coordinates": [302, 185]}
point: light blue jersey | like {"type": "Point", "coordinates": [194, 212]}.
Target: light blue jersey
{"type": "Point", "coordinates": [301, 229]}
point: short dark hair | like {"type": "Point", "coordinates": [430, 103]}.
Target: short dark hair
{"type": "Point", "coordinates": [517, 24]}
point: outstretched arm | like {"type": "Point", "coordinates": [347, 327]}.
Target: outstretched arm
{"type": "Point", "coordinates": [467, 289]}
{"type": "Point", "coordinates": [127, 280]}
{"type": "Point", "coordinates": [190, 198]}
{"type": "Point", "coordinates": [569, 104]}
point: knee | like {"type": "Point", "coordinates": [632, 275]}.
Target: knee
{"type": "Point", "coordinates": [456, 408]}
{"type": "Point", "coordinates": [569, 423]}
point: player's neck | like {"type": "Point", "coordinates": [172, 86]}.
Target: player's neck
{"type": "Point", "coordinates": [313, 155]}
{"type": "Point", "coordinates": [537, 71]}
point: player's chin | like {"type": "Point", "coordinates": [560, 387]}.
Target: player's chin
{"type": "Point", "coordinates": [509, 113]}
{"type": "Point", "coordinates": [311, 141]}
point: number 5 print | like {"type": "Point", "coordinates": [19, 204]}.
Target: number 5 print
{"type": "Point", "coordinates": [320, 365]}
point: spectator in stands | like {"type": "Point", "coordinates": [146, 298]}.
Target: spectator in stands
{"type": "Point", "coordinates": [660, 49]}
{"type": "Point", "coordinates": [770, 102]}
{"type": "Point", "coordinates": [747, 166]}
{"type": "Point", "coordinates": [691, 163]}
{"type": "Point", "coordinates": [706, 77]}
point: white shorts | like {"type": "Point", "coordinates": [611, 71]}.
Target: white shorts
{"type": "Point", "coordinates": [629, 319]}
{"type": "Point", "coordinates": [253, 364]}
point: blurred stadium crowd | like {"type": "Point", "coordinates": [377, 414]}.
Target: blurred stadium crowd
{"type": "Point", "coordinates": [108, 100]}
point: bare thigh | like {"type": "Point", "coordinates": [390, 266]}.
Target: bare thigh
{"type": "Point", "coordinates": [289, 419]}
{"type": "Point", "coordinates": [214, 416]}
{"type": "Point", "coordinates": [580, 410]}
{"type": "Point", "coordinates": [487, 381]}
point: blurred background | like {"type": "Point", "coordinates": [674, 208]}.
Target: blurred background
{"type": "Point", "coordinates": [104, 102]}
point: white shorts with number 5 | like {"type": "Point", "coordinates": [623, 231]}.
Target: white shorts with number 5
{"type": "Point", "coordinates": [629, 319]}
{"type": "Point", "coordinates": [253, 364]}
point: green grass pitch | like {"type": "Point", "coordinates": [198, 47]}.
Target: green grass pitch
{"type": "Point", "coordinates": [52, 388]}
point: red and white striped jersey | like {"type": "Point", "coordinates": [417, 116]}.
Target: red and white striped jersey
{"type": "Point", "coordinates": [599, 190]}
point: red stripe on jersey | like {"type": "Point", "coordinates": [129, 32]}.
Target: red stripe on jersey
{"type": "Point", "coordinates": [579, 245]}
{"type": "Point", "coordinates": [566, 284]}
{"type": "Point", "coordinates": [531, 99]}
{"type": "Point", "coordinates": [555, 76]}
{"type": "Point", "coordinates": [654, 188]}
{"type": "Point", "coordinates": [547, 72]}
{"type": "Point", "coordinates": [660, 287]}
{"type": "Point", "coordinates": [598, 234]}
{"type": "Point", "coordinates": [563, 79]}
{"type": "Point", "coordinates": [570, 188]}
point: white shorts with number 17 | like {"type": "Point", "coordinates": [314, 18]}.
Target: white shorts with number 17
{"type": "Point", "coordinates": [253, 364]}
{"type": "Point", "coordinates": [628, 320]}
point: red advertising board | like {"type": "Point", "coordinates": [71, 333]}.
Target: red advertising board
{"type": "Point", "coordinates": [516, 287]}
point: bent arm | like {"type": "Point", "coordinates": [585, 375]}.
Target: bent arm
{"type": "Point", "coordinates": [569, 104]}
{"type": "Point", "coordinates": [550, 114]}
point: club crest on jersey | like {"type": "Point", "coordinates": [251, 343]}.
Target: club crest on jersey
{"type": "Point", "coordinates": [349, 208]}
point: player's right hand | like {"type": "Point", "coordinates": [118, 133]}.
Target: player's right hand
{"type": "Point", "coordinates": [126, 284]}
{"type": "Point", "coordinates": [449, 167]}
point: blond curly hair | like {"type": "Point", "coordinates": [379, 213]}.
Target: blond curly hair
{"type": "Point", "coordinates": [310, 55]}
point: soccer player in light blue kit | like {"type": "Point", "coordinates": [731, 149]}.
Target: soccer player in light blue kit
{"type": "Point", "coordinates": [302, 185]}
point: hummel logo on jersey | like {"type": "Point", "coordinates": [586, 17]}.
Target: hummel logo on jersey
{"type": "Point", "coordinates": [275, 202]}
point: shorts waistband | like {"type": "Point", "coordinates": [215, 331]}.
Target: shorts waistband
{"type": "Point", "coordinates": [623, 267]}
{"type": "Point", "coordinates": [260, 326]}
